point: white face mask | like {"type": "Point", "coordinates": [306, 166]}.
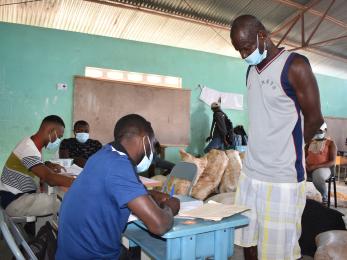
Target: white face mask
{"type": "Point", "coordinates": [319, 136]}
{"type": "Point", "coordinates": [146, 161]}
{"type": "Point", "coordinates": [255, 57]}
{"type": "Point", "coordinates": [52, 146]}
{"type": "Point", "coordinates": [82, 137]}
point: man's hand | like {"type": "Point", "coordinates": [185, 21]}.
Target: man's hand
{"type": "Point", "coordinates": [311, 168]}
{"type": "Point", "coordinates": [163, 199]}
{"type": "Point", "coordinates": [158, 197]}
{"type": "Point", "coordinates": [57, 168]}
{"type": "Point", "coordinates": [225, 141]}
{"type": "Point", "coordinates": [208, 139]}
{"type": "Point", "coordinates": [173, 203]}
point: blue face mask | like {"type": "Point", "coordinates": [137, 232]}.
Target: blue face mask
{"type": "Point", "coordinates": [82, 137]}
{"type": "Point", "coordinates": [255, 57]}
{"type": "Point", "coordinates": [52, 146]}
{"type": "Point", "coordinates": [146, 161]}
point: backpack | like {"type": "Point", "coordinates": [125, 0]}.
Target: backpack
{"type": "Point", "coordinates": [230, 131]}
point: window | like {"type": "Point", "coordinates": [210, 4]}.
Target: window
{"type": "Point", "coordinates": [137, 77]}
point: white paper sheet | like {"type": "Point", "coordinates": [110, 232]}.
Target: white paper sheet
{"type": "Point", "coordinates": [214, 211]}
{"type": "Point", "coordinates": [73, 170]}
{"type": "Point", "coordinates": [209, 95]}
{"type": "Point", "coordinates": [232, 101]}
{"type": "Point", "coordinates": [228, 100]}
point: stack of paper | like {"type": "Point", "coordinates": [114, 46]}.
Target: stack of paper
{"type": "Point", "coordinates": [73, 170]}
{"type": "Point", "coordinates": [213, 211]}
{"type": "Point", "coordinates": [188, 203]}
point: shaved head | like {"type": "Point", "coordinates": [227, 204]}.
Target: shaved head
{"type": "Point", "coordinates": [248, 24]}
{"type": "Point", "coordinates": [246, 33]}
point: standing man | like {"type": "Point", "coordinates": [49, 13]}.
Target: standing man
{"type": "Point", "coordinates": [218, 133]}
{"type": "Point", "coordinates": [25, 169]}
{"type": "Point", "coordinates": [96, 208]}
{"type": "Point", "coordinates": [282, 92]}
{"type": "Point", "coordinates": [81, 147]}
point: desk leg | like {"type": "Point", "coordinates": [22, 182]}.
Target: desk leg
{"type": "Point", "coordinates": [338, 173]}
{"type": "Point", "coordinates": [222, 244]}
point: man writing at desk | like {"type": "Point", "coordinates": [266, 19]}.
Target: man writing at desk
{"type": "Point", "coordinates": [24, 169]}
{"type": "Point", "coordinates": [96, 208]}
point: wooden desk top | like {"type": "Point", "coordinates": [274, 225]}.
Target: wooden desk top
{"type": "Point", "coordinates": [341, 160]}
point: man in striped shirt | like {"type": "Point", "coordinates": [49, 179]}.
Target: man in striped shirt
{"type": "Point", "coordinates": [25, 169]}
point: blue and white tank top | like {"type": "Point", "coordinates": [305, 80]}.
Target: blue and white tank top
{"type": "Point", "coordinates": [275, 151]}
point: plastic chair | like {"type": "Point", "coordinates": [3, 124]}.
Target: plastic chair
{"type": "Point", "coordinates": [183, 170]}
{"type": "Point", "coordinates": [14, 238]}
{"type": "Point", "coordinates": [331, 179]}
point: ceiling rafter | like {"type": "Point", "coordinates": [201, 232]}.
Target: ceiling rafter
{"type": "Point", "coordinates": [294, 45]}
{"type": "Point", "coordinates": [300, 16]}
{"type": "Point", "coordinates": [313, 12]}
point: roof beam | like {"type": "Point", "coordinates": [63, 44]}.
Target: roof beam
{"type": "Point", "coordinates": [215, 26]}
{"type": "Point", "coordinates": [313, 12]}
{"type": "Point", "coordinates": [157, 12]}
{"type": "Point", "coordinates": [319, 22]}
{"type": "Point", "coordinates": [292, 18]}
{"type": "Point", "coordinates": [321, 43]}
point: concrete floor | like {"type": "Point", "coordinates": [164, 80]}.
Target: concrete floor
{"type": "Point", "coordinates": [5, 253]}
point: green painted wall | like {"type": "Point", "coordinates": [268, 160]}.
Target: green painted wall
{"type": "Point", "coordinates": [33, 60]}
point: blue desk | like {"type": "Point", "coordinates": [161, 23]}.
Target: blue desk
{"type": "Point", "coordinates": [188, 241]}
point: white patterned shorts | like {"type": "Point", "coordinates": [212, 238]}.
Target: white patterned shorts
{"type": "Point", "coordinates": [275, 217]}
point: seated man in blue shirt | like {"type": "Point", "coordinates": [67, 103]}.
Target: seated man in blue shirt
{"type": "Point", "coordinates": [95, 210]}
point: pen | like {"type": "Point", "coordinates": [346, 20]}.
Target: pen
{"type": "Point", "coordinates": [172, 190]}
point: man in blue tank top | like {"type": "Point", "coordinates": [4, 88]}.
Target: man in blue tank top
{"type": "Point", "coordinates": [281, 91]}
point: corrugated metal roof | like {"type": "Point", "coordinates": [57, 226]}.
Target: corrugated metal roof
{"type": "Point", "coordinates": [193, 24]}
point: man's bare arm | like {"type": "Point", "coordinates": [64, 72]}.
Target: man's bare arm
{"type": "Point", "coordinates": [157, 220]}
{"type": "Point", "coordinates": [48, 176]}
{"type": "Point", "coordinates": [301, 77]}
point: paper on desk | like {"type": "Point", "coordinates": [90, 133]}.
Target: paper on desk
{"type": "Point", "coordinates": [190, 205]}
{"type": "Point", "coordinates": [184, 206]}
{"type": "Point", "coordinates": [132, 218]}
{"type": "Point", "coordinates": [150, 182]}
{"type": "Point", "coordinates": [214, 211]}
{"type": "Point", "coordinates": [73, 170]}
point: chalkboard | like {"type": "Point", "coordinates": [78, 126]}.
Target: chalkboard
{"type": "Point", "coordinates": [337, 130]}
{"type": "Point", "coordinates": [102, 102]}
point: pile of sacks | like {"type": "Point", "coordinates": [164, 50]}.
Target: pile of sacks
{"type": "Point", "coordinates": [218, 172]}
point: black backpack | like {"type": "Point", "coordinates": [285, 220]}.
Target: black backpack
{"type": "Point", "coordinates": [230, 130]}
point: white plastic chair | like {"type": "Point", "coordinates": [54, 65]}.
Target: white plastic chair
{"type": "Point", "coordinates": [183, 170]}
{"type": "Point", "coordinates": [14, 238]}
